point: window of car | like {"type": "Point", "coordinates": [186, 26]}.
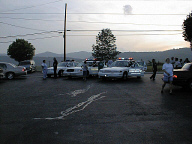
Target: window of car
{"type": "Point", "coordinates": [25, 63]}
{"type": "Point", "coordinates": [70, 64]}
{"type": "Point", "coordinates": [79, 64]}
{"type": "Point", "coordinates": [119, 64]}
{"type": "Point", "coordinates": [3, 66]}
{"type": "Point", "coordinates": [63, 64]}
{"type": "Point", "coordinates": [186, 66]}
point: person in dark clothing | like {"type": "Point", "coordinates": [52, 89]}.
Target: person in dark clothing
{"type": "Point", "coordinates": [55, 67]}
{"type": "Point", "coordinates": [154, 69]}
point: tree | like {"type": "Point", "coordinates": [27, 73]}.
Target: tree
{"type": "Point", "coordinates": [21, 50]}
{"type": "Point", "coordinates": [187, 27]}
{"type": "Point", "coordinates": [105, 48]}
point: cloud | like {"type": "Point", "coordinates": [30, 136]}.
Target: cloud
{"type": "Point", "coordinates": [127, 9]}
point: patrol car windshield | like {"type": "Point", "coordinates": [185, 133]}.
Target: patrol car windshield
{"type": "Point", "coordinates": [25, 63]}
{"type": "Point", "coordinates": [120, 64]}
{"type": "Point", "coordinates": [80, 64]}
{"type": "Point", "coordinates": [141, 63]}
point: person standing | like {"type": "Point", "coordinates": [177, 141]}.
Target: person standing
{"type": "Point", "coordinates": [154, 69]}
{"type": "Point", "coordinates": [100, 65]}
{"type": "Point", "coordinates": [186, 61]}
{"type": "Point", "coordinates": [172, 61]}
{"type": "Point", "coordinates": [177, 64]}
{"type": "Point", "coordinates": [109, 63]}
{"type": "Point", "coordinates": [55, 63]}
{"type": "Point", "coordinates": [168, 75]}
{"type": "Point", "coordinates": [85, 69]}
{"type": "Point", "coordinates": [44, 69]}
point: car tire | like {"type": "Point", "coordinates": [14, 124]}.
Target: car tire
{"type": "Point", "coordinates": [190, 85]}
{"type": "Point", "coordinates": [124, 76]}
{"type": "Point", "coordinates": [10, 75]}
{"type": "Point", "coordinates": [138, 77]}
{"type": "Point", "coordinates": [88, 74]}
{"type": "Point", "coordinates": [60, 73]}
{"type": "Point", "coordinates": [48, 75]}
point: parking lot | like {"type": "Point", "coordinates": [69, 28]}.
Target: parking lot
{"type": "Point", "coordinates": [59, 111]}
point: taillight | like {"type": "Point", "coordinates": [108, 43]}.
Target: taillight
{"type": "Point", "coordinates": [23, 69]}
{"type": "Point", "coordinates": [174, 76]}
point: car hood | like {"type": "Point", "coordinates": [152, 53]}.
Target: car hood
{"type": "Point", "coordinates": [51, 68]}
{"type": "Point", "coordinates": [75, 68]}
{"type": "Point", "coordinates": [115, 68]}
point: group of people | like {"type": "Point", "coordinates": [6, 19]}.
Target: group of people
{"type": "Point", "coordinates": [168, 67]}
{"type": "Point", "coordinates": [44, 68]}
{"type": "Point", "coordinates": [178, 63]}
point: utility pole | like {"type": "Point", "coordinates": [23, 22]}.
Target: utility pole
{"type": "Point", "coordinates": [64, 36]}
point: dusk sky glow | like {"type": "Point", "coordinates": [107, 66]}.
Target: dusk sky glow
{"type": "Point", "coordinates": [138, 25]}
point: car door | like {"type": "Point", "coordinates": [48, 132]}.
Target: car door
{"type": "Point", "coordinates": [4, 67]}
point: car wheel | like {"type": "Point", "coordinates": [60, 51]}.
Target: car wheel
{"type": "Point", "coordinates": [124, 76]}
{"type": "Point", "coordinates": [10, 75]}
{"type": "Point", "coordinates": [88, 74]}
{"type": "Point", "coordinates": [190, 85]}
{"type": "Point", "coordinates": [60, 73]}
{"type": "Point", "coordinates": [48, 75]}
{"type": "Point", "coordinates": [138, 77]}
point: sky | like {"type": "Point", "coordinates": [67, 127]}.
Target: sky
{"type": "Point", "coordinates": [139, 26]}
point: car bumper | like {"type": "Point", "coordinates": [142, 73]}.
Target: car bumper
{"type": "Point", "coordinates": [110, 75]}
{"type": "Point", "coordinates": [179, 82]}
{"type": "Point", "coordinates": [21, 73]}
{"type": "Point", "coordinates": [73, 74]}
{"type": "Point", "coordinates": [137, 74]}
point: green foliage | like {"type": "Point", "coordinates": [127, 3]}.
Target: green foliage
{"type": "Point", "coordinates": [105, 48]}
{"type": "Point", "coordinates": [187, 27]}
{"type": "Point", "coordinates": [21, 50]}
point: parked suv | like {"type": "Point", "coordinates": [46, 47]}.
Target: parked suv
{"type": "Point", "coordinates": [183, 77]}
{"type": "Point", "coordinates": [29, 65]}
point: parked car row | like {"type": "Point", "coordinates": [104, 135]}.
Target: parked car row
{"type": "Point", "coordinates": [10, 70]}
{"type": "Point", "coordinates": [121, 68]}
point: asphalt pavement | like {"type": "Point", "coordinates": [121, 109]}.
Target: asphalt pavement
{"type": "Point", "coordinates": [73, 111]}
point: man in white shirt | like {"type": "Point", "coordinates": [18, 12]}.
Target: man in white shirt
{"type": "Point", "coordinates": [44, 69]}
{"type": "Point", "coordinates": [168, 75]}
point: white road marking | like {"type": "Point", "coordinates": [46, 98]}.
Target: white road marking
{"type": "Point", "coordinates": [80, 91]}
{"type": "Point", "coordinates": [79, 107]}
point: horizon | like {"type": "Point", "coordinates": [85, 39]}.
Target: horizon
{"type": "Point", "coordinates": [121, 52]}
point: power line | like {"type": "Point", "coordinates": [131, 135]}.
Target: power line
{"type": "Point", "coordinates": [92, 14]}
{"type": "Point", "coordinates": [34, 39]}
{"type": "Point", "coordinates": [87, 21]}
{"type": "Point", "coordinates": [46, 32]}
{"type": "Point", "coordinates": [92, 35]}
{"type": "Point", "coordinates": [121, 23]}
{"type": "Point", "coordinates": [128, 30]}
{"type": "Point", "coordinates": [61, 31]}
{"type": "Point", "coordinates": [32, 6]}
{"type": "Point", "coordinates": [20, 26]}
{"type": "Point", "coordinates": [30, 19]}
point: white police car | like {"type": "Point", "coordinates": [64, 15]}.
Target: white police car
{"type": "Point", "coordinates": [122, 68]}
{"type": "Point", "coordinates": [61, 68]}
{"type": "Point", "coordinates": [78, 71]}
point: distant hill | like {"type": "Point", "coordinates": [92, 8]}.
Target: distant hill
{"type": "Point", "coordinates": [74, 55]}
{"type": "Point", "coordinates": [181, 53]}
{"type": "Point", "coordinates": [80, 56]}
